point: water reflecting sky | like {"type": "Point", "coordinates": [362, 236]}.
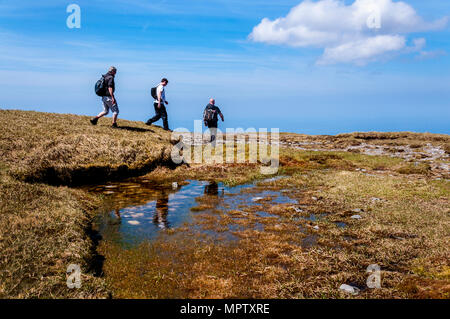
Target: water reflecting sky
{"type": "Point", "coordinates": [138, 210]}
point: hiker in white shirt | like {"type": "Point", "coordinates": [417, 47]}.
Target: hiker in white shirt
{"type": "Point", "coordinates": [159, 105]}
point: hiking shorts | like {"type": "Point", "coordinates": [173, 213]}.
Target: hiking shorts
{"type": "Point", "coordinates": [107, 105]}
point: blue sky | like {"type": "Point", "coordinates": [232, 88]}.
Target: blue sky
{"type": "Point", "coordinates": [284, 79]}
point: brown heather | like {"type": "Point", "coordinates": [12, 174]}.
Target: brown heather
{"type": "Point", "coordinates": [46, 225]}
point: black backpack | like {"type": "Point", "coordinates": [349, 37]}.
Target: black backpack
{"type": "Point", "coordinates": [209, 115]}
{"type": "Point", "coordinates": [100, 87]}
{"type": "Point", "coordinates": [153, 93]}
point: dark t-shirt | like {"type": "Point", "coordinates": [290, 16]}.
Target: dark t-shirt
{"type": "Point", "coordinates": [216, 112]}
{"type": "Point", "coordinates": [109, 82]}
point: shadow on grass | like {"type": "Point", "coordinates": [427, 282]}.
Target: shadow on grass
{"type": "Point", "coordinates": [135, 129]}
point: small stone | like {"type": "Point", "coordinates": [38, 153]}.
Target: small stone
{"type": "Point", "coordinates": [363, 170]}
{"type": "Point", "coordinates": [255, 199]}
{"type": "Point", "coordinates": [133, 222]}
{"type": "Point", "coordinates": [174, 185]}
{"type": "Point", "coordinates": [375, 199]}
{"type": "Point", "coordinates": [357, 210]}
{"type": "Point", "coordinates": [349, 289]}
{"type": "Point", "coordinates": [356, 217]}
{"type": "Point", "coordinates": [314, 198]}
{"type": "Point", "coordinates": [297, 210]}
{"type": "Point", "coordinates": [316, 227]}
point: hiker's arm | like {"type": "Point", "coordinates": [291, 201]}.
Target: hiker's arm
{"type": "Point", "coordinates": [221, 116]}
{"type": "Point", "coordinates": [159, 97]}
{"type": "Point", "coordinates": [111, 93]}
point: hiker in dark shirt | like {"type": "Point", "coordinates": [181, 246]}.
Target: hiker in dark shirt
{"type": "Point", "coordinates": [210, 118]}
{"type": "Point", "coordinates": [109, 100]}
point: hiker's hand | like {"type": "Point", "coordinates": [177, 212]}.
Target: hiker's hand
{"type": "Point", "coordinates": [159, 105]}
{"type": "Point", "coordinates": [166, 102]}
{"type": "Point", "coordinates": [113, 101]}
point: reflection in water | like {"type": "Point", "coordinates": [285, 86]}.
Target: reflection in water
{"type": "Point", "coordinates": [162, 211]}
{"type": "Point", "coordinates": [138, 210]}
{"type": "Point", "coordinates": [160, 214]}
{"type": "Point", "coordinates": [213, 189]}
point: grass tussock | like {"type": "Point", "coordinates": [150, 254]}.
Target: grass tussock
{"type": "Point", "coordinates": [44, 229]}
{"type": "Point", "coordinates": [67, 149]}
{"type": "Point", "coordinates": [337, 160]}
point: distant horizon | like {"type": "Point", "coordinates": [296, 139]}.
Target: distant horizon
{"type": "Point", "coordinates": [223, 127]}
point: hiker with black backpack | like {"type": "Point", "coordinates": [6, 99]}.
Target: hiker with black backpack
{"type": "Point", "coordinates": [105, 88]}
{"type": "Point", "coordinates": [210, 118]}
{"type": "Point", "coordinates": [159, 94]}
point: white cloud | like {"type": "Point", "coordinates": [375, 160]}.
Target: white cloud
{"type": "Point", "coordinates": [358, 33]}
{"type": "Point", "coordinates": [362, 51]}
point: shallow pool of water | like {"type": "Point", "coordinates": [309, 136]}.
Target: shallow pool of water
{"type": "Point", "coordinates": [137, 210]}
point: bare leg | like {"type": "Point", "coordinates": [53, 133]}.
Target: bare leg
{"type": "Point", "coordinates": [114, 117]}
{"type": "Point", "coordinates": [101, 114]}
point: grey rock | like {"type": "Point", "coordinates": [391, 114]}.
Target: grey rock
{"type": "Point", "coordinates": [349, 289]}
{"type": "Point", "coordinates": [356, 217]}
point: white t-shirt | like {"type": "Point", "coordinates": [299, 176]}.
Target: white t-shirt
{"type": "Point", "coordinates": [160, 88]}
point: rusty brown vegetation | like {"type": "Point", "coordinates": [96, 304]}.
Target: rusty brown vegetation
{"type": "Point", "coordinates": [45, 227]}
{"type": "Point", "coordinates": [406, 233]}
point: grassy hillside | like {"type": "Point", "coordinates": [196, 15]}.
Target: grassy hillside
{"type": "Point", "coordinates": [45, 228]}
{"type": "Point", "coordinates": [67, 149]}
{"type": "Point", "coordinates": [398, 180]}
